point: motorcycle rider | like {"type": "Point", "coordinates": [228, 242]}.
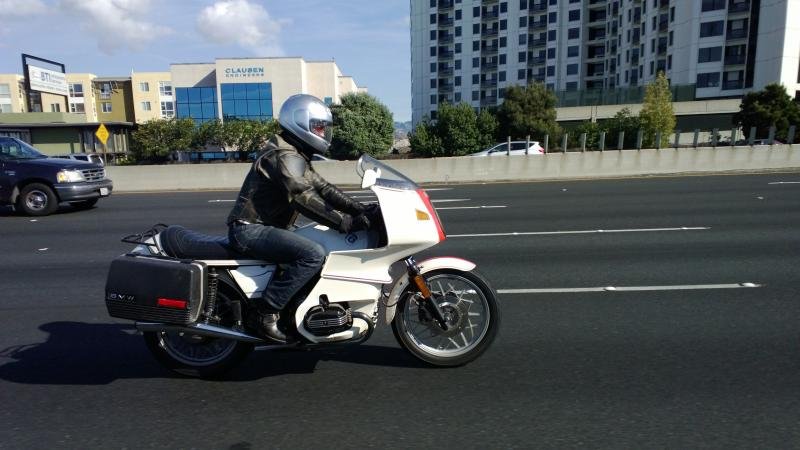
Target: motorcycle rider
{"type": "Point", "coordinates": [280, 184]}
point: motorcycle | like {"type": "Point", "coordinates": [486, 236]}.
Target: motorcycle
{"type": "Point", "coordinates": [189, 293]}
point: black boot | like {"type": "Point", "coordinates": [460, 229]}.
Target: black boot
{"type": "Point", "coordinates": [265, 323]}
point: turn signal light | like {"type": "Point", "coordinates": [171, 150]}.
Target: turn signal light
{"type": "Point", "coordinates": [422, 215]}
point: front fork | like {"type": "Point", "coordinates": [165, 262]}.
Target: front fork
{"type": "Point", "coordinates": [430, 305]}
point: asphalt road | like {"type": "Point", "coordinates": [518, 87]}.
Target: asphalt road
{"type": "Point", "coordinates": [686, 359]}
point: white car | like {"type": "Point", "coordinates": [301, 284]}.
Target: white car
{"type": "Point", "coordinates": [517, 148]}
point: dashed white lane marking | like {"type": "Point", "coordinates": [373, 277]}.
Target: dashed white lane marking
{"type": "Point", "coordinates": [547, 233]}
{"type": "Point", "coordinates": [450, 200]}
{"type": "Point", "coordinates": [220, 201]}
{"type": "Point", "coordinates": [785, 182]}
{"type": "Point", "coordinates": [686, 287]}
{"type": "Point", "coordinates": [472, 207]}
{"type": "Point", "coordinates": [426, 190]}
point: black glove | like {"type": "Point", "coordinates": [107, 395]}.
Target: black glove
{"type": "Point", "coordinates": [352, 224]}
{"type": "Point", "coordinates": [373, 212]}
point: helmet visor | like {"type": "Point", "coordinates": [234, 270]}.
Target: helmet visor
{"type": "Point", "coordinates": [321, 128]}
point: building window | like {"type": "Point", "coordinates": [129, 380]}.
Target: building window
{"type": "Point", "coordinates": [146, 106]}
{"type": "Point", "coordinates": [552, 17]}
{"type": "Point", "coordinates": [551, 71]}
{"type": "Point", "coordinates": [165, 88]}
{"type": "Point", "coordinates": [433, 83]}
{"type": "Point", "coordinates": [105, 91]}
{"type": "Point", "coordinates": [458, 64]}
{"type": "Point", "coordinates": [522, 56]}
{"type": "Point", "coordinates": [433, 99]}
{"type": "Point", "coordinates": [167, 110]}
{"type": "Point", "coordinates": [251, 101]}
{"type": "Point", "coordinates": [551, 35]}
{"type": "Point", "coordinates": [55, 107]}
{"type": "Point", "coordinates": [75, 90]}
{"type": "Point", "coordinates": [521, 74]}
{"type": "Point", "coordinates": [574, 15]}
{"type": "Point", "coordinates": [705, 80]}
{"type": "Point", "coordinates": [105, 107]}
{"type": "Point", "coordinates": [475, 78]}
{"type": "Point", "coordinates": [551, 53]}
{"type": "Point", "coordinates": [574, 33]}
{"type": "Point", "coordinates": [709, 29]}
{"type": "Point", "coordinates": [523, 39]}
{"type": "Point", "coordinates": [77, 108]}
{"type": "Point", "coordinates": [709, 54]}
{"type": "Point", "coordinates": [144, 86]}
{"type": "Point", "coordinates": [572, 69]}
{"type": "Point", "coordinates": [573, 50]}
{"type": "Point", "coordinates": [200, 103]}
{"type": "Point", "coordinates": [475, 95]}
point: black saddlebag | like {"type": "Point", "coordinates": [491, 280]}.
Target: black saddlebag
{"type": "Point", "coordinates": [150, 289]}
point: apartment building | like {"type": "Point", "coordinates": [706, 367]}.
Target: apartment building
{"type": "Point", "coordinates": [12, 93]}
{"type": "Point", "coordinates": [114, 99]}
{"type": "Point", "coordinates": [81, 99]}
{"type": "Point", "coordinates": [253, 88]}
{"type": "Point", "coordinates": [152, 96]}
{"type": "Point", "coordinates": [471, 50]}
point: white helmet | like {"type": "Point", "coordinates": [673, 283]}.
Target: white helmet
{"type": "Point", "coordinates": [309, 122]}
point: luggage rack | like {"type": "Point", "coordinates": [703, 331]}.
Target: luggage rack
{"type": "Point", "coordinates": [143, 237]}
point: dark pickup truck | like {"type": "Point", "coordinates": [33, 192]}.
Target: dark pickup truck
{"type": "Point", "coordinates": [36, 184]}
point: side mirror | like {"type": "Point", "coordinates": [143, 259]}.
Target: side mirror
{"type": "Point", "coordinates": [370, 177]}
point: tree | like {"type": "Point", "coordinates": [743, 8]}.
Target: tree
{"type": "Point", "coordinates": [424, 140]}
{"type": "Point", "coordinates": [624, 122]}
{"type": "Point", "coordinates": [657, 115]}
{"type": "Point", "coordinates": [361, 123]}
{"type": "Point", "coordinates": [487, 128]}
{"type": "Point", "coordinates": [157, 139]}
{"type": "Point", "coordinates": [246, 136]}
{"type": "Point", "coordinates": [765, 108]}
{"type": "Point", "coordinates": [592, 130]}
{"type": "Point", "coordinates": [528, 111]}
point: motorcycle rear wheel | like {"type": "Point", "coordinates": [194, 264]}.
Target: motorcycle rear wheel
{"type": "Point", "coordinates": [198, 356]}
{"type": "Point", "coordinates": [470, 307]}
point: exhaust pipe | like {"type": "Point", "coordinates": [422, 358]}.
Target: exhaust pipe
{"type": "Point", "coordinates": [200, 329]}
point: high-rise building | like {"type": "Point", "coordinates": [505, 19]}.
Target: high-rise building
{"type": "Point", "coordinates": [471, 50]}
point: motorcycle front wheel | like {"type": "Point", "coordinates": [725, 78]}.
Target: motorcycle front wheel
{"type": "Point", "coordinates": [469, 305]}
{"type": "Point", "coordinates": [198, 356]}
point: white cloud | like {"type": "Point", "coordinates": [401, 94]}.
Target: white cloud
{"type": "Point", "coordinates": [241, 22]}
{"type": "Point", "coordinates": [116, 23]}
{"type": "Point", "coordinates": [22, 7]}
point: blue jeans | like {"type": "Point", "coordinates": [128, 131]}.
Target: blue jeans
{"type": "Point", "coordinates": [299, 257]}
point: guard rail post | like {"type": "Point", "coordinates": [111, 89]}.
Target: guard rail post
{"type": "Point", "coordinates": [771, 138]}
{"type": "Point", "coordinates": [602, 140]}
{"type": "Point", "coordinates": [790, 135]}
{"type": "Point", "coordinates": [508, 146]}
{"type": "Point", "coordinates": [620, 140]}
{"type": "Point", "coordinates": [696, 138]}
{"type": "Point", "coordinates": [564, 142]}
{"type": "Point", "coordinates": [583, 142]}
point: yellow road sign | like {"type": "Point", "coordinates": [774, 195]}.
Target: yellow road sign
{"type": "Point", "coordinates": [102, 133]}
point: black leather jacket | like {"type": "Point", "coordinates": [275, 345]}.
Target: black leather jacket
{"type": "Point", "coordinates": [282, 183]}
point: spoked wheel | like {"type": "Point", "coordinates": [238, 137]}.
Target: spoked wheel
{"type": "Point", "coordinates": [470, 308]}
{"type": "Point", "coordinates": [198, 356]}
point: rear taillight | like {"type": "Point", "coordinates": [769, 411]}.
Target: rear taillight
{"type": "Point", "coordinates": [172, 303]}
{"type": "Point", "coordinates": [427, 201]}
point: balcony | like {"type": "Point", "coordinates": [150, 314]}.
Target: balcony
{"type": "Point", "coordinates": [446, 54]}
{"type": "Point", "coordinates": [731, 85]}
{"type": "Point", "coordinates": [488, 66]}
{"type": "Point", "coordinates": [663, 4]}
{"type": "Point", "coordinates": [537, 25]}
{"type": "Point", "coordinates": [599, 17]}
{"type": "Point", "coordinates": [635, 57]}
{"type": "Point", "coordinates": [445, 87]}
{"type": "Point", "coordinates": [445, 5]}
{"type": "Point", "coordinates": [741, 33]}
{"type": "Point", "coordinates": [662, 49]}
{"type": "Point", "coordinates": [734, 60]}
{"type": "Point", "coordinates": [537, 61]}
{"type": "Point", "coordinates": [738, 7]}
{"type": "Point", "coordinates": [596, 37]}
{"type": "Point", "coordinates": [636, 39]}
{"type": "Point", "coordinates": [489, 2]}
{"type": "Point", "coordinates": [490, 15]}
{"type": "Point", "coordinates": [489, 32]}
{"type": "Point", "coordinates": [488, 84]}
{"type": "Point", "coordinates": [538, 7]}
{"type": "Point", "coordinates": [595, 56]}
{"type": "Point", "coordinates": [541, 42]}
{"type": "Point", "coordinates": [446, 22]}
{"type": "Point", "coordinates": [489, 101]}
{"type": "Point", "coordinates": [445, 39]}
{"type": "Point", "coordinates": [663, 26]}
{"type": "Point", "coordinates": [445, 71]}
{"type": "Point", "coordinates": [597, 4]}
{"type": "Point", "coordinates": [489, 48]}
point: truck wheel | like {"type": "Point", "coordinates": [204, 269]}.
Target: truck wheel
{"type": "Point", "coordinates": [37, 199]}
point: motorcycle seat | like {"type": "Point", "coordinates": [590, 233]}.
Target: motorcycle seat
{"type": "Point", "coordinates": [182, 243]}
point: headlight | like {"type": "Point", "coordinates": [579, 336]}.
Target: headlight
{"type": "Point", "coordinates": [69, 176]}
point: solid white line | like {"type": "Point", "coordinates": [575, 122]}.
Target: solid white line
{"type": "Point", "coordinates": [365, 191]}
{"type": "Point", "coordinates": [687, 287]}
{"type": "Point", "coordinates": [546, 233]}
{"type": "Point", "coordinates": [471, 207]}
{"type": "Point", "coordinates": [785, 182]}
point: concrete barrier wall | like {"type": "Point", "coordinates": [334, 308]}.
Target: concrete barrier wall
{"type": "Point", "coordinates": [613, 163]}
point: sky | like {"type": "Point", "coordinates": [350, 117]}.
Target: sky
{"type": "Point", "coordinates": [368, 39]}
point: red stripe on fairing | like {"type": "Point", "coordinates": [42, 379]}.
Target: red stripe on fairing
{"type": "Point", "coordinates": [172, 303]}
{"type": "Point", "coordinates": [427, 201]}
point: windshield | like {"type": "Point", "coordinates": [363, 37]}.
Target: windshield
{"type": "Point", "coordinates": [389, 177]}
{"type": "Point", "coordinates": [11, 148]}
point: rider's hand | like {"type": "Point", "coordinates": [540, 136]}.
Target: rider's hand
{"type": "Point", "coordinates": [354, 223]}
{"type": "Point", "coordinates": [373, 212]}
